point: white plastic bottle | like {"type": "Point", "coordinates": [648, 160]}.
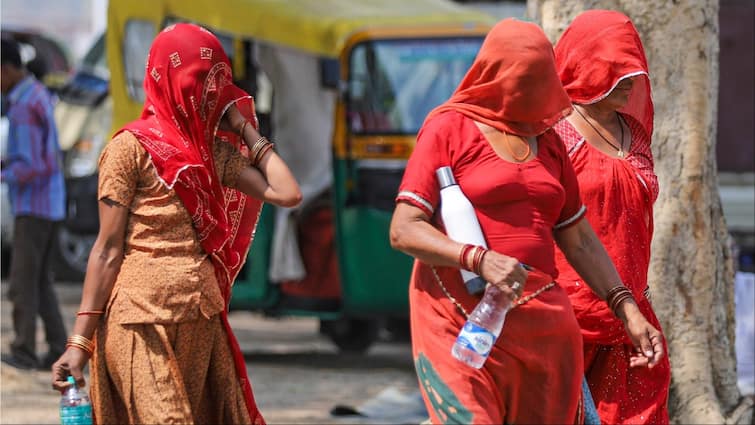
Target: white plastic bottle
{"type": "Point", "coordinates": [75, 407]}
{"type": "Point", "coordinates": [482, 329]}
{"type": "Point", "coordinates": [461, 222]}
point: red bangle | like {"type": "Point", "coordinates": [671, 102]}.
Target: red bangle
{"type": "Point", "coordinates": [470, 261]}
{"type": "Point", "coordinates": [478, 266]}
{"type": "Point", "coordinates": [463, 255]}
{"type": "Point", "coordinates": [477, 259]}
{"type": "Point", "coordinates": [90, 313]}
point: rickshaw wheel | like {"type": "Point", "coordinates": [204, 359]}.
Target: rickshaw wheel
{"type": "Point", "coordinates": [351, 335]}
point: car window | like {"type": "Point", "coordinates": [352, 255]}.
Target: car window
{"type": "Point", "coordinates": [138, 38]}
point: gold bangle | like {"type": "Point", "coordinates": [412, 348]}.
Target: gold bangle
{"type": "Point", "coordinates": [254, 149]}
{"type": "Point", "coordinates": [262, 152]}
{"type": "Point", "coordinates": [81, 342]}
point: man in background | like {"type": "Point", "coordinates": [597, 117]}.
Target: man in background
{"type": "Point", "coordinates": [33, 173]}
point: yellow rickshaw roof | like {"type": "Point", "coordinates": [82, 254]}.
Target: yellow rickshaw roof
{"type": "Point", "coordinates": [317, 26]}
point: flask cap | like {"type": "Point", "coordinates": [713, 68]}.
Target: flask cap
{"type": "Point", "coordinates": [70, 380]}
{"type": "Point", "coordinates": [445, 177]}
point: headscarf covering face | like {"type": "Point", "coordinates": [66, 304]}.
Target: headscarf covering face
{"type": "Point", "coordinates": [512, 85]}
{"type": "Point", "coordinates": [598, 50]}
{"type": "Point", "coordinates": [188, 87]}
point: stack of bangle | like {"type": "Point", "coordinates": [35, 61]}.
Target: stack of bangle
{"type": "Point", "coordinates": [81, 342]}
{"type": "Point", "coordinates": [259, 148]}
{"type": "Point", "coordinates": [474, 264]}
{"type": "Point", "coordinates": [617, 295]}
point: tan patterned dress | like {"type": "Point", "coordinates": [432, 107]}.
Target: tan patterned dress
{"type": "Point", "coordinates": [162, 354]}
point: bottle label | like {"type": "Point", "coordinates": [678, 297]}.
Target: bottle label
{"type": "Point", "coordinates": [76, 415]}
{"type": "Point", "coordinates": [476, 338]}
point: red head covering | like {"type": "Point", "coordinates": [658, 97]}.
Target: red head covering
{"type": "Point", "coordinates": [189, 86]}
{"type": "Point", "coordinates": [512, 85]}
{"type": "Point", "coordinates": [597, 51]}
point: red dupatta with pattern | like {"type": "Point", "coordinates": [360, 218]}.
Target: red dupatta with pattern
{"type": "Point", "coordinates": [189, 86]}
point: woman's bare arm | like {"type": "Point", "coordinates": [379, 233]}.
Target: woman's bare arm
{"type": "Point", "coordinates": [102, 268]}
{"type": "Point", "coordinates": [271, 180]}
{"type": "Point", "coordinates": [589, 258]}
{"type": "Point", "coordinates": [411, 232]}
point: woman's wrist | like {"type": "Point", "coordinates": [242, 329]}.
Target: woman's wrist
{"type": "Point", "coordinates": [627, 310]}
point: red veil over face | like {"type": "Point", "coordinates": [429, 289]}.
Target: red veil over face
{"type": "Point", "coordinates": [189, 86]}
{"type": "Point", "coordinates": [597, 51]}
{"type": "Point", "coordinates": [512, 85]}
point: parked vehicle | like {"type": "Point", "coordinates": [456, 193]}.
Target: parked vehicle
{"type": "Point", "coordinates": [84, 115]}
{"type": "Point", "coordinates": [343, 96]}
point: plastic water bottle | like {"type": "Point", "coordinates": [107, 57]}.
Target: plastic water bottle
{"type": "Point", "coordinates": [75, 407]}
{"type": "Point", "coordinates": [482, 329]}
{"type": "Point", "coordinates": [461, 222]}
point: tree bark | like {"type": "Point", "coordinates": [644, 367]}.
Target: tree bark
{"type": "Point", "coordinates": [691, 273]}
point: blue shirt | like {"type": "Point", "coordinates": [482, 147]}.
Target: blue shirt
{"type": "Point", "coordinates": [32, 168]}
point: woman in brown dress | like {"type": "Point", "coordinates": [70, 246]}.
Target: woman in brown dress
{"type": "Point", "coordinates": [178, 207]}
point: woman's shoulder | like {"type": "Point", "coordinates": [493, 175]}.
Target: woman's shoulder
{"type": "Point", "coordinates": [567, 134]}
{"type": "Point", "coordinates": [448, 124]}
{"type": "Point", "coordinates": [553, 144]}
{"type": "Point", "coordinates": [124, 141]}
{"type": "Point", "coordinates": [124, 146]}
{"type": "Point", "coordinates": [449, 118]}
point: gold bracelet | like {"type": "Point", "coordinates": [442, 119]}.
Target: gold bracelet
{"type": "Point", "coordinates": [262, 152]}
{"type": "Point", "coordinates": [254, 149]}
{"type": "Point", "coordinates": [81, 342]}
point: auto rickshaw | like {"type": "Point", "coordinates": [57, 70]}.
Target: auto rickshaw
{"type": "Point", "coordinates": [342, 88]}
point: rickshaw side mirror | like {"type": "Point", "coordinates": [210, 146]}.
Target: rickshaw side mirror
{"type": "Point", "coordinates": [329, 73]}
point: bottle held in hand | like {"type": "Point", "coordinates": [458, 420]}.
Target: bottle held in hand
{"type": "Point", "coordinates": [477, 337]}
{"type": "Point", "coordinates": [75, 407]}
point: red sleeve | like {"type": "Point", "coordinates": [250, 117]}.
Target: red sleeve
{"type": "Point", "coordinates": [419, 186]}
{"type": "Point", "coordinates": [573, 209]}
{"type": "Point", "coordinates": [641, 157]}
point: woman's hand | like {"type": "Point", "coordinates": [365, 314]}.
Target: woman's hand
{"type": "Point", "coordinates": [504, 272]}
{"type": "Point", "coordinates": [232, 120]}
{"type": "Point", "coordinates": [72, 363]}
{"type": "Point", "coordinates": [647, 340]}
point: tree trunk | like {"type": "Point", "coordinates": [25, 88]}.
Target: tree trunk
{"type": "Point", "coordinates": [691, 274]}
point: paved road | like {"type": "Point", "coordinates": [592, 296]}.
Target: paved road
{"type": "Point", "coordinates": [297, 375]}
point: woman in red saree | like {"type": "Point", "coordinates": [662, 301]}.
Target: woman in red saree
{"type": "Point", "coordinates": [602, 65]}
{"type": "Point", "coordinates": [178, 207]}
{"type": "Point", "coordinates": [495, 133]}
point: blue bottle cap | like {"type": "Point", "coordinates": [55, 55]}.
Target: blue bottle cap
{"type": "Point", "coordinates": [70, 380]}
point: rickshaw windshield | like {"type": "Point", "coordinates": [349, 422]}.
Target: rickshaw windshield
{"type": "Point", "coordinates": [393, 84]}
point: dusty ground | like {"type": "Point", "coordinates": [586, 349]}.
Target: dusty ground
{"type": "Point", "coordinates": [297, 375]}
